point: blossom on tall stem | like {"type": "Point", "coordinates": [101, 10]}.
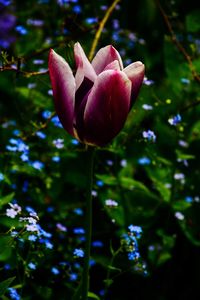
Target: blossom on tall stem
{"type": "Point", "coordinates": [94, 104]}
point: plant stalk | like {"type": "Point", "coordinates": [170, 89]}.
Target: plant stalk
{"type": "Point", "coordinates": [88, 225]}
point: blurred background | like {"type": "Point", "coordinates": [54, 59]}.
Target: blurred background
{"type": "Point", "coordinates": [147, 177]}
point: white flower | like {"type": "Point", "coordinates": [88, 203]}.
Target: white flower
{"type": "Point", "coordinates": [32, 227]}
{"type": "Point", "coordinates": [111, 203]}
{"type": "Point", "coordinates": [179, 216]}
{"type": "Point", "coordinates": [13, 211]}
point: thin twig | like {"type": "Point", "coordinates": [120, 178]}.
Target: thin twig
{"type": "Point", "coordinates": [178, 44]}
{"type": "Point", "coordinates": [101, 26]}
{"type": "Point", "coordinates": [24, 73]}
{"type": "Point", "coordinates": [41, 127]}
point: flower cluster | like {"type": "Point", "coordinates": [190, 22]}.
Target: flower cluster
{"type": "Point", "coordinates": [17, 145]}
{"type": "Point", "coordinates": [14, 210]}
{"type": "Point", "coordinates": [130, 243]}
{"type": "Point", "coordinates": [175, 120]}
{"type": "Point", "coordinates": [149, 135]}
{"type": "Point", "coordinates": [31, 227]}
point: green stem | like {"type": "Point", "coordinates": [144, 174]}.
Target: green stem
{"type": "Point", "coordinates": [108, 280]}
{"type": "Point", "coordinates": [88, 225]}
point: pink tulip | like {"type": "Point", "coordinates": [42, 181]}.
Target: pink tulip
{"type": "Point", "coordinates": [94, 104]}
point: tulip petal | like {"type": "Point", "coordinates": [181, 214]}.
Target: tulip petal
{"type": "Point", "coordinates": [135, 73]}
{"type": "Point", "coordinates": [84, 67]}
{"type": "Point", "coordinates": [63, 85]}
{"type": "Point", "coordinates": [107, 107]}
{"type": "Point", "coordinates": [104, 57]}
{"type": "Point", "coordinates": [114, 65]}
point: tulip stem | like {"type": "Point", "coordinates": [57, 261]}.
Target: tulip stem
{"type": "Point", "coordinates": [88, 225]}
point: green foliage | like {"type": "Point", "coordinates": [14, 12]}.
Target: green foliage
{"type": "Point", "coordinates": [5, 284]}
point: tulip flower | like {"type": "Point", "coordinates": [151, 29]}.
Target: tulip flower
{"type": "Point", "coordinates": [94, 104]}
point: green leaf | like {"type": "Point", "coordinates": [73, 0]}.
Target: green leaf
{"type": "Point", "coordinates": [164, 256]}
{"type": "Point", "coordinates": [6, 199]}
{"type": "Point", "coordinates": [195, 132]}
{"type": "Point", "coordinates": [108, 282]}
{"type": "Point", "coordinates": [162, 189]}
{"type": "Point", "coordinates": [114, 268]}
{"type": "Point", "coordinates": [93, 296]}
{"type": "Point", "coordinates": [125, 182]}
{"type": "Point", "coordinates": [184, 156]}
{"type": "Point", "coordinates": [39, 99]}
{"type": "Point", "coordinates": [192, 21]}
{"type": "Point", "coordinates": [181, 205]}
{"type": "Point", "coordinates": [5, 247]}
{"type": "Point", "coordinates": [5, 284]}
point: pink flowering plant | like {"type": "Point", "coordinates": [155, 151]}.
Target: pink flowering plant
{"type": "Point", "coordinates": [93, 104]}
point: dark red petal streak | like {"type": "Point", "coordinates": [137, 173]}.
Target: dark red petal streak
{"type": "Point", "coordinates": [63, 85]}
{"type": "Point", "coordinates": [107, 107]}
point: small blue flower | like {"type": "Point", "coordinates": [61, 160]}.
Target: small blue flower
{"type": "Point", "coordinates": [78, 211]}
{"type": "Point", "coordinates": [97, 244]}
{"type": "Point", "coordinates": [55, 271]}
{"type": "Point", "coordinates": [149, 135]}
{"type": "Point", "coordinates": [32, 266]}
{"type": "Point", "coordinates": [55, 120]}
{"type": "Point", "coordinates": [74, 142]}
{"type": "Point", "coordinates": [91, 20]}
{"type": "Point", "coordinates": [1, 177]}
{"type": "Point", "coordinates": [29, 209]}
{"type": "Point", "coordinates": [63, 2]}
{"type": "Point", "coordinates": [147, 107]}
{"type": "Point", "coordinates": [79, 230]}
{"type": "Point", "coordinates": [99, 183]}
{"type": "Point", "coordinates": [136, 230]}
{"type": "Point", "coordinates": [189, 199]}
{"type": "Point", "coordinates": [92, 262]}
{"type": "Point", "coordinates": [11, 148]}
{"type": "Point", "coordinates": [5, 2]}
{"type": "Point", "coordinates": [144, 161]}
{"type": "Point", "coordinates": [56, 158]}
{"type": "Point", "coordinates": [14, 294]}
{"type": "Point", "coordinates": [41, 134]}
{"type": "Point", "coordinates": [77, 9]}
{"type": "Point", "coordinates": [46, 114]}
{"type": "Point", "coordinates": [133, 255]}
{"type": "Point", "coordinates": [185, 81]}
{"type": "Point", "coordinates": [24, 157]}
{"type": "Point", "coordinates": [21, 29]}
{"type": "Point", "coordinates": [73, 277]}
{"type": "Point", "coordinates": [16, 132]}
{"type": "Point", "coordinates": [175, 120]}
{"type": "Point", "coordinates": [77, 265]}
{"type": "Point", "coordinates": [32, 238]}
{"type": "Point", "coordinates": [58, 143]}
{"type": "Point", "coordinates": [78, 253]}
{"type": "Point", "coordinates": [25, 186]}
{"type": "Point", "coordinates": [7, 267]}
{"type": "Point", "coordinates": [50, 209]}
{"type": "Point", "coordinates": [38, 165]}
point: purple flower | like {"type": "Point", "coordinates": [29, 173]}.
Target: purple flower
{"type": "Point", "coordinates": [93, 105]}
{"type": "Point", "coordinates": [7, 22]}
{"type": "Point", "coordinates": [149, 135]}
